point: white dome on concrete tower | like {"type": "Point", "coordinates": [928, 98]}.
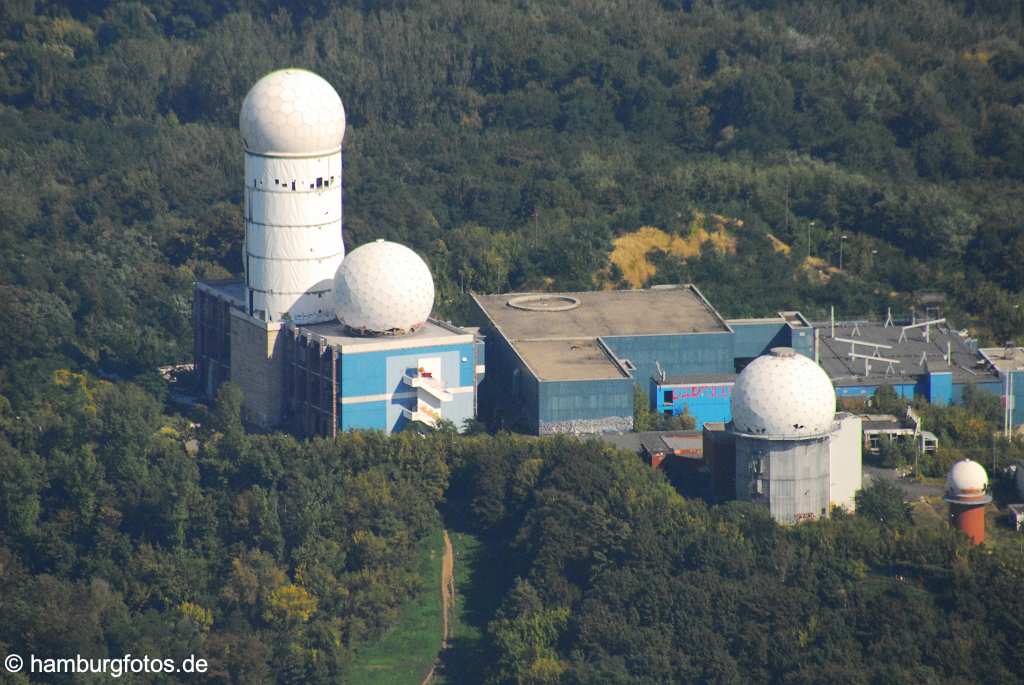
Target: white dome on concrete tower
{"type": "Point", "coordinates": [783, 394]}
{"type": "Point", "coordinates": [292, 113]}
{"type": "Point", "coordinates": [966, 477]}
{"type": "Point", "coordinates": [383, 288]}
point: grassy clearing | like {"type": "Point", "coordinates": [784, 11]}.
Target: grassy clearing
{"type": "Point", "coordinates": [479, 586]}
{"type": "Point", "coordinates": [406, 652]}
{"type": "Point", "coordinates": [630, 250]}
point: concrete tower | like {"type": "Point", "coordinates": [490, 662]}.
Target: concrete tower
{"type": "Point", "coordinates": [967, 494]}
{"type": "Point", "coordinates": [292, 123]}
{"type": "Point", "coordinates": [783, 413]}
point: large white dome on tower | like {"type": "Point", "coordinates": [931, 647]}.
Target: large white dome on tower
{"type": "Point", "coordinates": [783, 394]}
{"type": "Point", "coordinates": [292, 113]}
{"type": "Point", "coordinates": [383, 288]}
{"type": "Point", "coordinates": [966, 478]}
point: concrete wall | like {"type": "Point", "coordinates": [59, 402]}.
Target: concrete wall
{"type": "Point", "coordinates": [585, 406]}
{"type": "Point", "coordinates": [677, 354]}
{"type": "Point", "coordinates": [790, 477]}
{"type": "Point", "coordinates": [211, 336]}
{"type": "Point", "coordinates": [257, 366]}
{"type": "Point", "coordinates": [508, 393]}
{"type": "Point", "coordinates": [720, 456]}
{"type": "Point", "coordinates": [844, 462]}
{"type": "Point", "coordinates": [704, 401]}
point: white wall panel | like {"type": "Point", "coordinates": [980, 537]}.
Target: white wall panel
{"type": "Point", "coordinates": [293, 238]}
{"type": "Point", "coordinates": [294, 243]}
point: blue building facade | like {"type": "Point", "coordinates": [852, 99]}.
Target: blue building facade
{"type": "Point", "coordinates": [376, 393]}
{"type": "Point", "coordinates": [704, 390]}
{"type": "Point", "coordinates": [684, 357]}
{"type": "Point", "coordinates": [705, 399]}
{"type": "Point", "coordinates": [339, 382]}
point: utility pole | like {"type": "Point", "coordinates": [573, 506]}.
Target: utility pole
{"type": "Point", "coordinates": [842, 239]}
{"type": "Point", "coordinates": [993, 453]}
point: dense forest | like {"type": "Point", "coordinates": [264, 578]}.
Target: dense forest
{"type": "Point", "coordinates": [510, 143]}
{"type": "Point", "coordinates": [125, 531]}
{"type": "Point", "coordinates": [614, 578]}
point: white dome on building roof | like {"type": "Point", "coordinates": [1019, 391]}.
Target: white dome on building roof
{"type": "Point", "coordinates": [292, 113]}
{"type": "Point", "coordinates": [966, 477]}
{"type": "Point", "coordinates": [783, 394]}
{"type": "Point", "coordinates": [383, 288]}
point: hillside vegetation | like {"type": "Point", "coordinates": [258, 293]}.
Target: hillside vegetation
{"type": "Point", "coordinates": [510, 144]}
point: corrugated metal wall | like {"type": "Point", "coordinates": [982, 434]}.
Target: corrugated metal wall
{"type": "Point", "coordinates": [586, 406]}
{"type": "Point", "coordinates": [677, 354]}
{"type": "Point", "coordinates": [755, 339]}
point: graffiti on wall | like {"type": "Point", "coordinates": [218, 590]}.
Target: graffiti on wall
{"type": "Point", "coordinates": [709, 392]}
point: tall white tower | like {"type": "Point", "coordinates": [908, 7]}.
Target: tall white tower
{"type": "Point", "coordinates": [292, 124]}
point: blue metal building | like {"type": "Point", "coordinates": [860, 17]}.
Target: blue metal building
{"type": "Point", "coordinates": [570, 362]}
{"type": "Point", "coordinates": [935, 363]}
{"type": "Point", "coordinates": [385, 382]}
{"type": "Point", "coordinates": [706, 396]}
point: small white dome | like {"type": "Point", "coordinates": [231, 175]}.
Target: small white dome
{"type": "Point", "coordinates": [383, 288]}
{"type": "Point", "coordinates": [966, 477]}
{"type": "Point", "coordinates": [783, 393]}
{"type": "Point", "coordinates": [292, 113]}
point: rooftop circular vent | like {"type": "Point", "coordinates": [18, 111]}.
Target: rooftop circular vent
{"type": "Point", "coordinates": [544, 303]}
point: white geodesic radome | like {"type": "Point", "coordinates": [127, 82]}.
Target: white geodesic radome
{"type": "Point", "coordinates": [383, 288]}
{"type": "Point", "coordinates": [783, 394]}
{"type": "Point", "coordinates": [292, 112]}
{"type": "Point", "coordinates": [966, 477]}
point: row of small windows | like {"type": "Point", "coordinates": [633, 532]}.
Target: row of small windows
{"type": "Point", "coordinates": [319, 183]}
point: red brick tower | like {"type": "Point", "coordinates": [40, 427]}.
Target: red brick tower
{"type": "Point", "coordinates": [967, 494]}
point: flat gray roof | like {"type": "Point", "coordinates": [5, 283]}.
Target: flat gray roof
{"type": "Point", "coordinates": [575, 360]}
{"type": "Point", "coordinates": [1004, 358]}
{"type": "Point", "coordinates": [967, 366]}
{"type": "Point", "coordinates": [333, 333]}
{"type": "Point", "coordinates": [556, 333]}
{"type": "Point", "coordinates": [228, 289]}
{"type": "Point", "coordinates": [653, 311]}
{"type": "Point", "coordinates": [655, 442]}
{"type": "Point", "coordinates": [432, 332]}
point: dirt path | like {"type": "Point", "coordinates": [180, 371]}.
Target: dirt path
{"type": "Point", "coordinates": [447, 598]}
